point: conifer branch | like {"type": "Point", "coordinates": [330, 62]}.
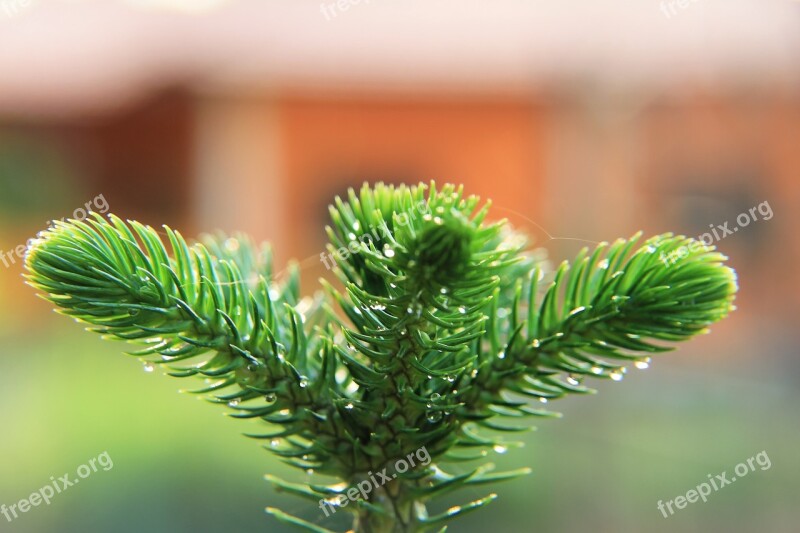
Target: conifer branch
{"type": "Point", "coordinates": [446, 324]}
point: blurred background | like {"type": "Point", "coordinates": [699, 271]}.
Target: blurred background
{"type": "Point", "coordinates": [581, 121]}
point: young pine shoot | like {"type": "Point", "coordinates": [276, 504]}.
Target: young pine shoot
{"type": "Point", "coordinates": [444, 332]}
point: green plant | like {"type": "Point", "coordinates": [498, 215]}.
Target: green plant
{"type": "Point", "coordinates": [446, 324]}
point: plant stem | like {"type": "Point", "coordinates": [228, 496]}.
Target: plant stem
{"type": "Point", "coordinates": [399, 511]}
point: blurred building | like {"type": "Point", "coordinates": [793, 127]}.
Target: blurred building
{"type": "Point", "coordinates": [253, 115]}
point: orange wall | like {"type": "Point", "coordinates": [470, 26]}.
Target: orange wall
{"type": "Point", "coordinates": [493, 148]}
{"type": "Point", "coordinates": [733, 152]}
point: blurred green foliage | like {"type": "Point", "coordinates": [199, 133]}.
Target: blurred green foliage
{"type": "Point", "coordinates": [68, 396]}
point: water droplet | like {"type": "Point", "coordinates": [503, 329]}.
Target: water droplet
{"type": "Point", "coordinates": [392, 285]}
{"type": "Point", "coordinates": [603, 264]}
{"type": "Point", "coordinates": [349, 405]}
{"type": "Point", "coordinates": [388, 251]}
{"type": "Point", "coordinates": [651, 249]}
{"type": "Point", "coordinates": [543, 399]}
{"type": "Point", "coordinates": [536, 343]}
{"type": "Point", "coordinates": [450, 379]}
{"type": "Point", "coordinates": [356, 310]}
{"type": "Point", "coordinates": [454, 510]}
{"type": "Point", "coordinates": [351, 236]}
{"type": "Point", "coordinates": [310, 471]}
{"type": "Point", "coordinates": [572, 380]}
{"type": "Point", "coordinates": [462, 310]}
{"type": "Point", "coordinates": [435, 396]}
{"type": "Point", "coordinates": [438, 221]}
{"type": "Point", "coordinates": [270, 397]}
{"type": "Point", "coordinates": [499, 448]}
{"type": "Point", "coordinates": [474, 372]}
{"type": "Point", "coordinates": [434, 416]}
{"type": "Point", "coordinates": [597, 370]}
{"type": "Point", "coordinates": [443, 290]}
{"type": "Point", "coordinates": [149, 367]}
{"type": "Point", "coordinates": [501, 355]}
{"type": "Point", "coordinates": [274, 443]}
{"type": "Point", "coordinates": [233, 403]}
{"type": "Point", "coordinates": [333, 502]}
{"type": "Point", "coordinates": [427, 217]}
{"type": "Point", "coordinates": [577, 310]}
{"type": "Point", "coordinates": [303, 382]}
{"type": "Point", "coordinates": [643, 363]}
{"type": "Point", "coordinates": [616, 376]}
{"type": "Point", "coordinates": [284, 412]}
{"type": "Point", "coordinates": [356, 226]}
{"type": "Point", "coordinates": [305, 458]}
